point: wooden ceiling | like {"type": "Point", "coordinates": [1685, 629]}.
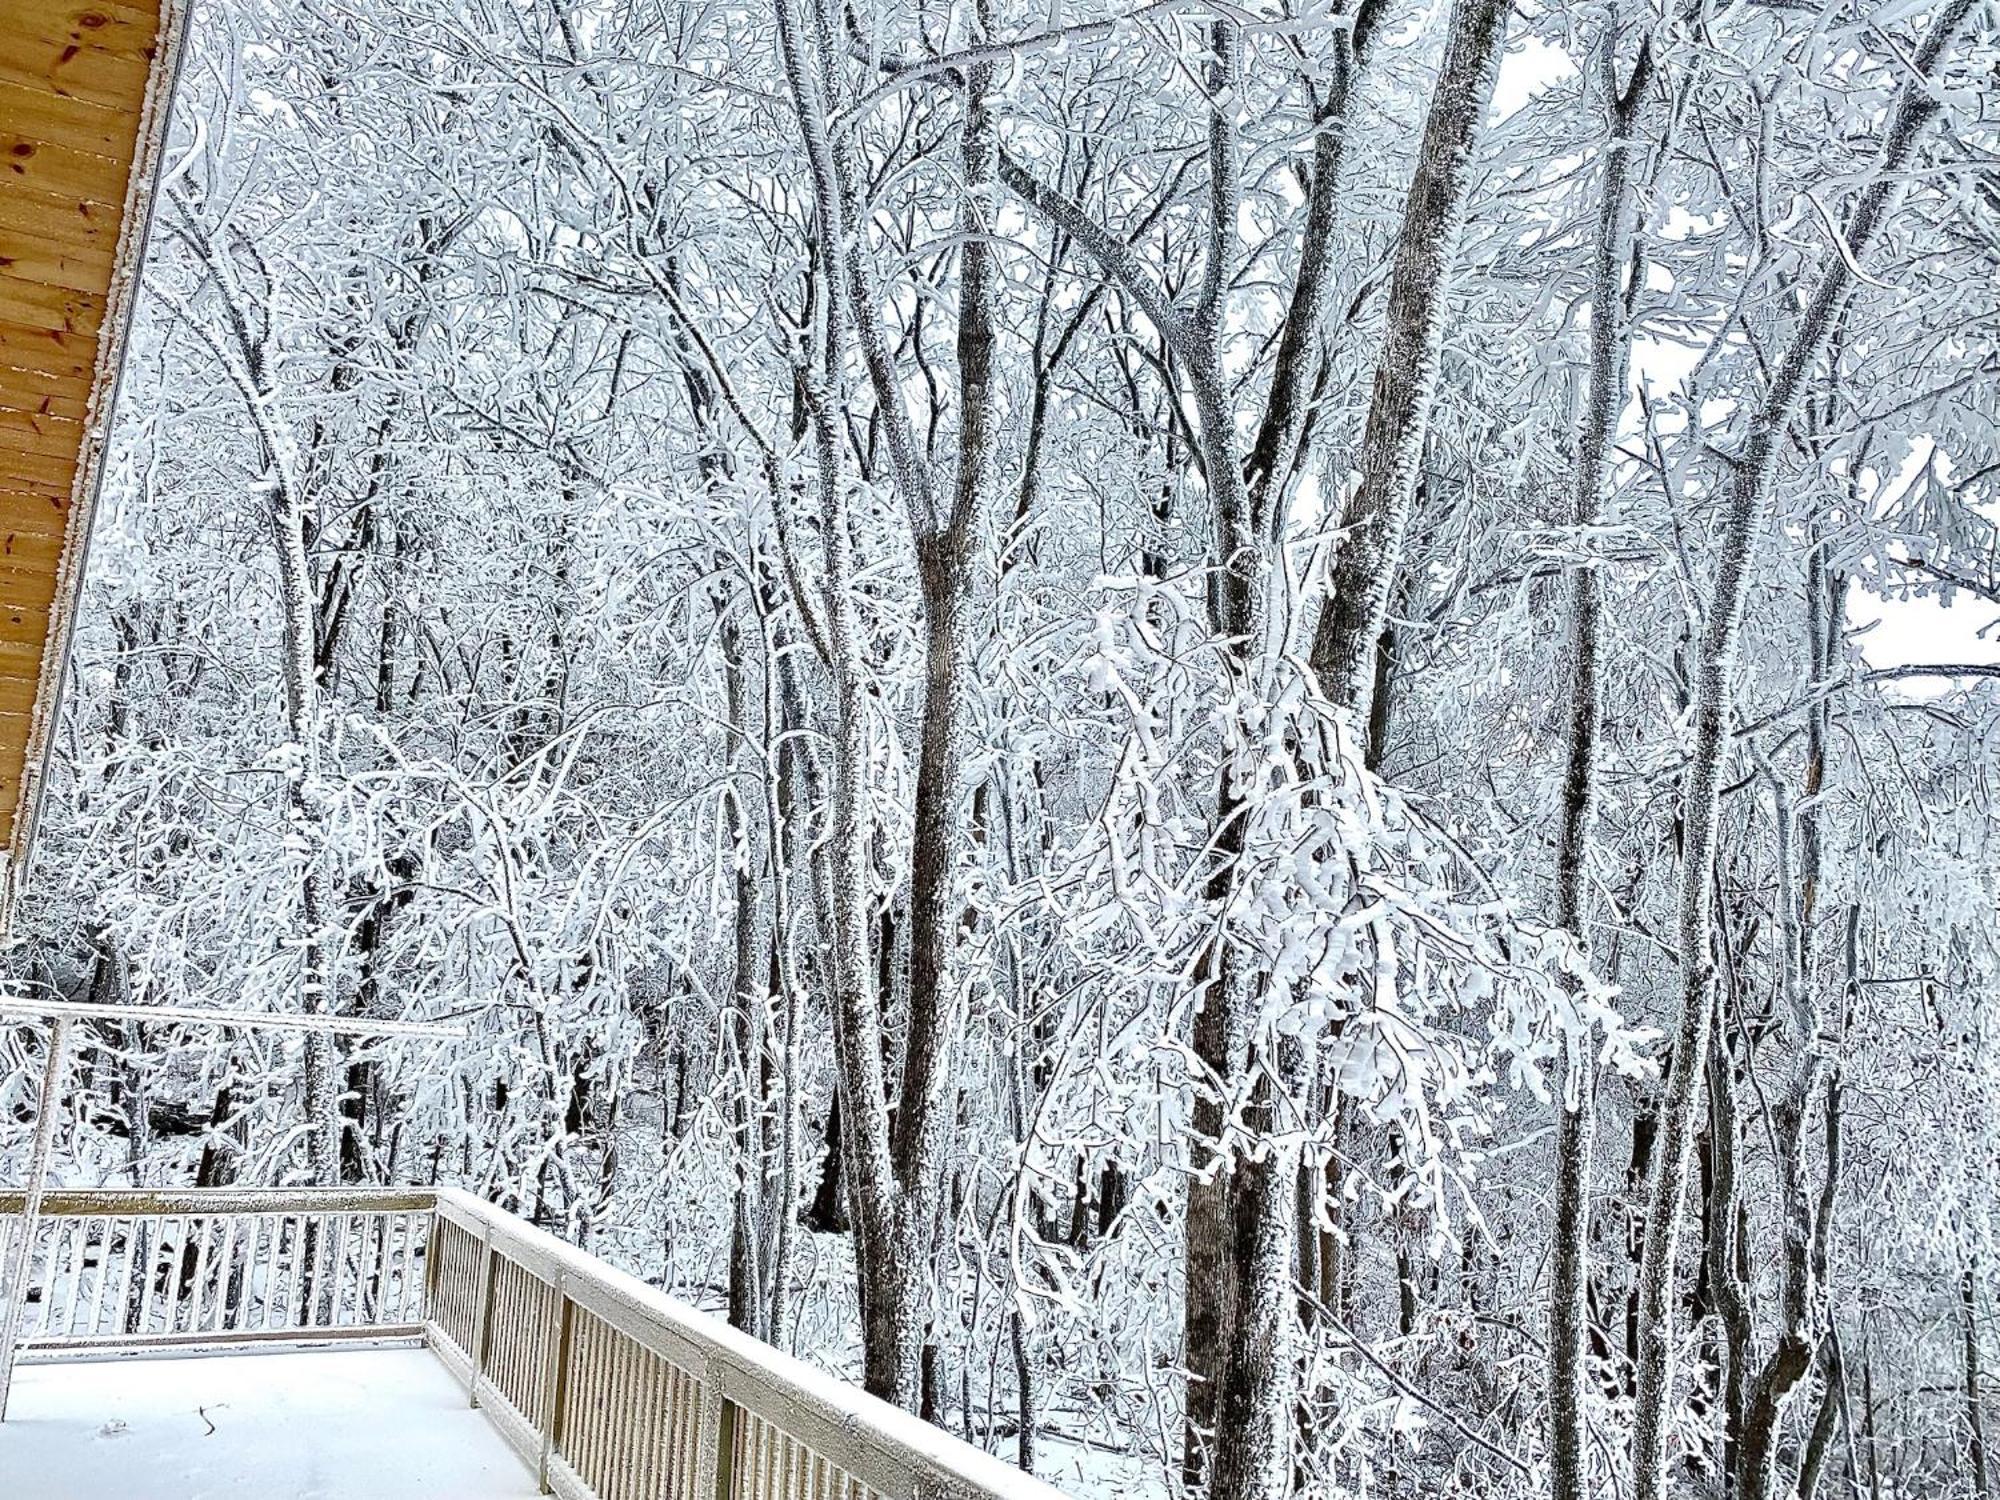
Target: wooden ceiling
{"type": "Point", "coordinates": [83, 89]}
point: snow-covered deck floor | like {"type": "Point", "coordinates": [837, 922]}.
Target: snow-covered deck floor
{"type": "Point", "coordinates": [348, 1424]}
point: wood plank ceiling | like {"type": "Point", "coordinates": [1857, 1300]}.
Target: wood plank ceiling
{"type": "Point", "coordinates": [83, 88]}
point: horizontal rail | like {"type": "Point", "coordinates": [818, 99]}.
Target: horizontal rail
{"type": "Point", "coordinates": [289, 1339]}
{"type": "Point", "coordinates": [28, 1007]}
{"type": "Point", "coordinates": [125, 1202]}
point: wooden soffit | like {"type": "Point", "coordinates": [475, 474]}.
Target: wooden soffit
{"type": "Point", "coordinates": [84, 89]}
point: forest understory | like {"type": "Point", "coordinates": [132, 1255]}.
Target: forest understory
{"type": "Point", "coordinates": [1249, 746]}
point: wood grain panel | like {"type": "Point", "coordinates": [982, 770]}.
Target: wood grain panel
{"type": "Point", "coordinates": [22, 659]}
{"type": "Point", "coordinates": [88, 233]}
{"type": "Point", "coordinates": [90, 52]}
{"type": "Point", "coordinates": [39, 551]}
{"type": "Point", "coordinates": [60, 175]}
{"type": "Point", "coordinates": [25, 586]}
{"type": "Point", "coordinates": [36, 514]}
{"type": "Point", "coordinates": [52, 262]}
{"type": "Point", "coordinates": [22, 624]}
{"type": "Point", "coordinates": [65, 354]}
{"type": "Point", "coordinates": [40, 432]}
{"type": "Point", "coordinates": [42, 395]}
{"type": "Point", "coordinates": [23, 469]}
{"type": "Point", "coordinates": [52, 309]}
{"type": "Point", "coordinates": [72, 122]}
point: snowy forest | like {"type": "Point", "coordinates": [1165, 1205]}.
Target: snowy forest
{"type": "Point", "coordinates": [1250, 745]}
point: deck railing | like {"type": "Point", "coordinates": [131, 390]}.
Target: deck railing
{"type": "Point", "coordinates": [607, 1388]}
{"type": "Point", "coordinates": [127, 1268]}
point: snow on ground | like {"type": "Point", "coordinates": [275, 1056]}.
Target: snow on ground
{"type": "Point", "coordinates": [350, 1424]}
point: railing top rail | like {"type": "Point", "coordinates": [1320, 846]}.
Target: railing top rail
{"type": "Point", "coordinates": [887, 1448]}
{"type": "Point", "coordinates": [145, 1202]}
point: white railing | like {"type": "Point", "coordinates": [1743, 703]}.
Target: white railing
{"type": "Point", "coordinates": [125, 1268]}
{"type": "Point", "coordinates": [607, 1388]}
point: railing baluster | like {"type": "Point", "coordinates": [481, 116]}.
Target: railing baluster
{"type": "Point", "coordinates": [278, 1298]}
{"type": "Point", "coordinates": [591, 1371]}
{"type": "Point", "coordinates": [122, 1291]}
{"type": "Point", "coordinates": [576, 1422]}
{"type": "Point", "coordinates": [372, 1269]}
{"type": "Point", "coordinates": [209, 1227]}
{"type": "Point", "coordinates": [353, 1241]}
{"type": "Point", "coordinates": [156, 1233]}
{"type": "Point", "coordinates": [40, 1311]}
{"type": "Point", "coordinates": [555, 1371]}
{"type": "Point", "coordinates": [687, 1435]}
{"type": "Point", "coordinates": [750, 1456]}
{"type": "Point", "coordinates": [614, 1416]}
{"type": "Point", "coordinates": [261, 1266]}
{"type": "Point", "coordinates": [298, 1294]}
{"type": "Point", "coordinates": [83, 1303]}
{"type": "Point", "coordinates": [77, 1232]}
{"type": "Point", "coordinates": [265, 1257]}
{"type": "Point", "coordinates": [298, 1290]}
{"type": "Point", "coordinates": [83, 1283]}
{"type": "Point", "coordinates": [411, 1304]}
{"type": "Point", "coordinates": [440, 1233]}
{"type": "Point", "coordinates": [102, 1290]}
{"type": "Point", "coordinates": [668, 1420]}
{"type": "Point", "coordinates": [600, 1407]}
{"type": "Point", "coordinates": [221, 1315]}
{"type": "Point", "coordinates": [339, 1240]}
{"type": "Point", "coordinates": [311, 1245]}
{"type": "Point", "coordinates": [395, 1299]}
{"type": "Point", "coordinates": [334, 1301]}
{"type": "Point", "coordinates": [638, 1416]}
{"type": "Point", "coordinates": [481, 1307]}
{"type": "Point", "coordinates": [90, 1282]}
{"type": "Point", "coordinates": [717, 1453]}
{"type": "Point", "coordinates": [652, 1425]}
{"type": "Point", "coordinates": [802, 1476]}
{"type": "Point", "coordinates": [44, 1316]}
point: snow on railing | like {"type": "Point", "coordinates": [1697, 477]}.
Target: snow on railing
{"type": "Point", "coordinates": [125, 1268]}
{"type": "Point", "coordinates": [607, 1388]}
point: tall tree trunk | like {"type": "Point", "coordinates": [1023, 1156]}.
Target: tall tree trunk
{"type": "Point", "coordinates": [1406, 371]}
{"type": "Point", "coordinates": [897, 1172]}
{"type": "Point", "coordinates": [1975, 1417]}
{"type": "Point", "coordinates": [1576, 1118]}
{"type": "Point", "coordinates": [286, 517]}
{"type": "Point", "coordinates": [1819, 1441]}
{"type": "Point", "coordinates": [748, 1007]}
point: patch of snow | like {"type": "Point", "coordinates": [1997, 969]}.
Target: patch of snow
{"type": "Point", "coordinates": [348, 1424]}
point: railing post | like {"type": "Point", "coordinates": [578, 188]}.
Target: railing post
{"type": "Point", "coordinates": [555, 1380]}
{"type": "Point", "coordinates": [22, 1260]}
{"type": "Point", "coordinates": [715, 1461]}
{"type": "Point", "coordinates": [481, 1310]}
